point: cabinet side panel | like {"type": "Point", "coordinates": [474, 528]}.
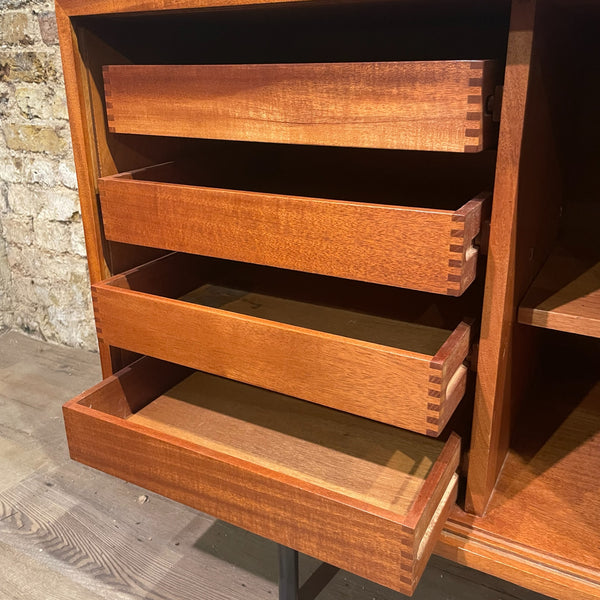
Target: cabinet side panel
{"type": "Point", "coordinates": [86, 167]}
{"type": "Point", "coordinates": [82, 134]}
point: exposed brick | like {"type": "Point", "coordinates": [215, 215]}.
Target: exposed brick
{"type": "Point", "coordinates": [77, 241]}
{"type": "Point", "coordinates": [59, 105]}
{"type": "Point", "coordinates": [26, 290]}
{"type": "Point", "coordinates": [23, 200]}
{"type": "Point", "coordinates": [29, 67]}
{"type": "Point", "coordinates": [29, 4]}
{"type": "Point", "coordinates": [20, 258]}
{"type": "Point", "coordinates": [10, 166]}
{"type": "Point", "coordinates": [38, 169]}
{"type": "Point", "coordinates": [34, 100]}
{"type": "Point", "coordinates": [44, 283]}
{"type": "Point", "coordinates": [6, 100]}
{"type": "Point", "coordinates": [47, 22]}
{"type": "Point", "coordinates": [18, 28]}
{"type": "Point", "coordinates": [4, 206]}
{"type": "Point", "coordinates": [52, 236]}
{"type": "Point", "coordinates": [59, 205]}
{"type": "Point", "coordinates": [17, 229]}
{"type": "Point", "coordinates": [48, 204]}
{"type": "Point", "coordinates": [34, 138]}
{"type": "Point", "coordinates": [63, 268]}
{"type": "Point", "coordinates": [66, 171]}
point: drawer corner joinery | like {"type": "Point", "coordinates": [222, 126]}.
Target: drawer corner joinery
{"type": "Point", "coordinates": [200, 313]}
{"type": "Point", "coordinates": [361, 495]}
{"type": "Point", "coordinates": [166, 206]}
{"type": "Point", "coordinates": [415, 105]}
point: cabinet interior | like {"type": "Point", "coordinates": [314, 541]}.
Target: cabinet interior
{"type": "Point", "coordinates": [545, 499]}
{"type": "Point", "coordinates": [302, 299]}
{"type": "Point", "coordinates": [391, 177]}
{"type": "Point", "coordinates": [297, 32]}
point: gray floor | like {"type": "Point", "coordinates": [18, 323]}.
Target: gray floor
{"type": "Point", "coordinates": [69, 532]}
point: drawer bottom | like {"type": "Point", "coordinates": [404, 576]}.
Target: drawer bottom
{"type": "Point", "coordinates": [361, 495]}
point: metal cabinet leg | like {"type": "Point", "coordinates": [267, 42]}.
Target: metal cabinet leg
{"type": "Point", "coordinates": [288, 573]}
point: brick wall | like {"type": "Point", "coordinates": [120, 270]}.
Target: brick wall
{"type": "Point", "coordinates": [44, 287]}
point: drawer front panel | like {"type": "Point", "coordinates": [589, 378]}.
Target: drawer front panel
{"type": "Point", "coordinates": [428, 250]}
{"type": "Point", "coordinates": [310, 518]}
{"type": "Point", "coordinates": [420, 105]}
{"type": "Point", "coordinates": [403, 388]}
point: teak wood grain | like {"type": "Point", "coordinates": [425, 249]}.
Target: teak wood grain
{"type": "Point", "coordinates": [541, 527]}
{"type": "Point", "coordinates": [524, 224]}
{"type": "Point", "coordinates": [550, 477]}
{"type": "Point", "coordinates": [423, 249]}
{"type": "Point", "coordinates": [565, 296]}
{"type": "Point", "coordinates": [100, 7]}
{"type": "Point", "coordinates": [418, 105]}
{"type": "Point", "coordinates": [316, 482]}
{"type": "Point", "coordinates": [399, 373]}
{"type": "Point", "coordinates": [492, 554]}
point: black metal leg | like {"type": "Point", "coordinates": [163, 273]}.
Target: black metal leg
{"type": "Point", "coordinates": [289, 580]}
{"type": "Point", "coordinates": [288, 573]}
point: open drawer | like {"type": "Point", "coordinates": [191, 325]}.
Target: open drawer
{"type": "Point", "coordinates": [231, 320]}
{"type": "Point", "coordinates": [168, 206]}
{"type": "Point", "coordinates": [417, 105]}
{"type": "Point", "coordinates": [363, 496]}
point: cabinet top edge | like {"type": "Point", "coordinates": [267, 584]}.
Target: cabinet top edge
{"type": "Point", "coordinates": [76, 8]}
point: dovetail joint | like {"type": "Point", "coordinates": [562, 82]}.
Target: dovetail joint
{"type": "Point", "coordinates": [475, 108]}
{"type": "Point", "coordinates": [436, 393]}
{"type": "Point", "coordinates": [110, 116]}
{"type": "Point", "coordinates": [456, 255]}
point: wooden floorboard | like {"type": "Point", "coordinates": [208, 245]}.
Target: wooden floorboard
{"type": "Point", "coordinates": [68, 532]}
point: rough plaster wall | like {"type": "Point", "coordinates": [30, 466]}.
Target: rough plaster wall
{"type": "Point", "coordinates": [44, 287]}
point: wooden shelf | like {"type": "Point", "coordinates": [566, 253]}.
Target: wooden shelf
{"type": "Point", "coordinates": [565, 296]}
{"type": "Point", "coordinates": [546, 504]}
{"type": "Point", "coordinates": [413, 105]}
{"type": "Point", "coordinates": [306, 476]}
{"type": "Point", "coordinates": [193, 311]}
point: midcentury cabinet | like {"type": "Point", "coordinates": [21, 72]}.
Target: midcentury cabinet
{"type": "Point", "coordinates": [344, 262]}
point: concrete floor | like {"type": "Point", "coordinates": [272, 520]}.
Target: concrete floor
{"type": "Point", "coordinates": [70, 532]}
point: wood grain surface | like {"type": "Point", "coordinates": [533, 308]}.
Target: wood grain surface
{"type": "Point", "coordinates": [320, 512]}
{"type": "Point", "coordinates": [418, 105]}
{"type": "Point", "coordinates": [99, 7]}
{"type": "Point", "coordinates": [524, 225]}
{"type": "Point", "coordinates": [401, 373]}
{"type": "Point", "coordinates": [429, 250]}
{"type": "Point", "coordinates": [84, 154]}
{"type": "Point", "coordinates": [95, 7]}
{"type": "Point", "coordinates": [78, 102]}
{"type": "Point", "coordinates": [546, 506]}
{"type": "Point", "coordinates": [70, 532]}
{"type": "Point", "coordinates": [521, 565]}
{"type": "Point", "coordinates": [565, 295]}
{"type": "Point", "coordinates": [360, 459]}
{"type": "Point", "coordinates": [541, 484]}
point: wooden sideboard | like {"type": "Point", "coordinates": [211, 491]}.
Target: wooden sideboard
{"type": "Point", "coordinates": [344, 261]}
